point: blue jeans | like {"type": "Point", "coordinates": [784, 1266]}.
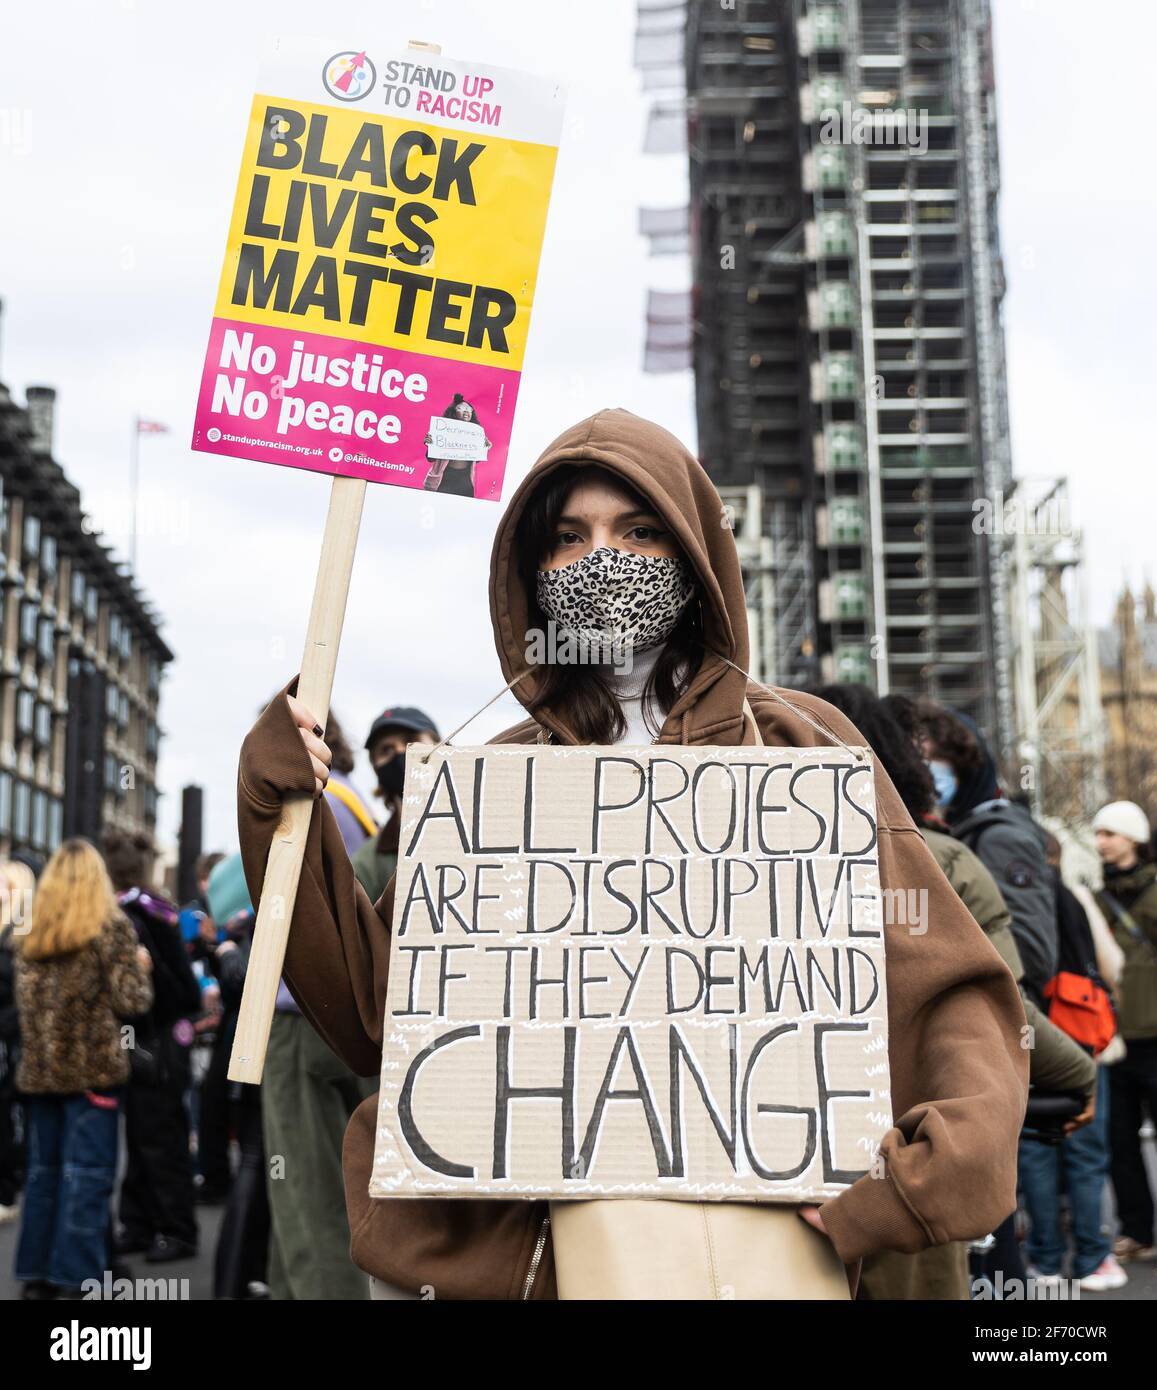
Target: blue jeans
{"type": "Point", "coordinates": [1081, 1162]}
{"type": "Point", "coordinates": [72, 1156]}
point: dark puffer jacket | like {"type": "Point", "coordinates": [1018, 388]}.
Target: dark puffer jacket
{"type": "Point", "coordinates": [1011, 846]}
{"type": "Point", "coordinates": [71, 1007]}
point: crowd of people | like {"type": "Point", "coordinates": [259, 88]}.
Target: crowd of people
{"type": "Point", "coordinates": [1085, 961]}
{"type": "Point", "coordinates": [118, 1123]}
{"type": "Point", "coordinates": [116, 1001]}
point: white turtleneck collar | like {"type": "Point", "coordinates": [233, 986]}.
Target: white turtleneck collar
{"type": "Point", "coordinates": [627, 687]}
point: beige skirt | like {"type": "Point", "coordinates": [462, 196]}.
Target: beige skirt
{"type": "Point", "coordinates": [691, 1250]}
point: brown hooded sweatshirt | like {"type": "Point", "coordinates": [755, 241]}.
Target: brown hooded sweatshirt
{"type": "Point", "coordinates": [959, 1074]}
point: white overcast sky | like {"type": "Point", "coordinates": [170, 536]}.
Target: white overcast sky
{"type": "Point", "coordinates": [121, 127]}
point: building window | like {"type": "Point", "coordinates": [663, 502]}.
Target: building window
{"type": "Point", "coordinates": [110, 701]}
{"type": "Point", "coordinates": [39, 819]}
{"type": "Point", "coordinates": [126, 641]}
{"type": "Point", "coordinates": [31, 537]}
{"type": "Point", "coordinates": [110, 773]}
{"type": "Point", "coordinates": [154, 675]}
{"type": "Point", "coordinates": [152, 739]}
{"type": "Point", "coordinates": [46, 640]}
{"type": "Point", "coordinates": [77, 591]}
{"type": "Point", "coordinates": [55, 824]}
{"type": "Point", "coordinates": [5, 802]}
{"type": "Point", "coordinates": [25, 712]}
{"type": "Point", "coordinates": [91, 604]}
{"type": "Point", "coordinates": [43, 730]}
{"type": "Point", "coordinates": [150, 802]}
{"type": "Point", "coordinates": [21, 810]}
{"type": "Point", "coordinates": [123, 710]}
{"type": "Point", "coordinates": [29, 619]}
{"type": "Point", "coordinates": [48, 557]}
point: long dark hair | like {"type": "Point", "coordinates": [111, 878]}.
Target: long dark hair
{"type": "Point", "coordinates": [577, 692]}
{"type": "Point", "coordinates": [953, 740]}
{"type": "Point", "coordinates": [451, 411]}
{"type": "Point", "coordinates": [890, 741]}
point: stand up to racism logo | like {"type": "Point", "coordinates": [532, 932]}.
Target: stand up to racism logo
{"type": "Point", "coordinates": [349, 76]}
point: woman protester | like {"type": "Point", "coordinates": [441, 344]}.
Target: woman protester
{"type": "Point", "coordinates": [80, 972]}
{"type": "Point", "coordinates": [618, 539]}
{"type": "Point", "coordinates": [455, 476]}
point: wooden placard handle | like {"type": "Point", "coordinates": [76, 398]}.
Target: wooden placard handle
{"type": "Point", "coordinates": [283, 868]}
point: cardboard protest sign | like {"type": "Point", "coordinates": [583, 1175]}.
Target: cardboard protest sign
{"type": "Point", "coordinates": [381, 261]}
{"type": "Point", "coordinates": [623, 972]}
{"type": "Point", "coordinates": [456, 439]}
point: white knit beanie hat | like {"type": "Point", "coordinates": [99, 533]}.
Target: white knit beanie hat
{"type": "Point", "coordinates": [1123, 818]}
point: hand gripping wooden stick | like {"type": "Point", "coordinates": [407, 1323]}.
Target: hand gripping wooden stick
{"type": "Point", "coordinates": [283, 869]}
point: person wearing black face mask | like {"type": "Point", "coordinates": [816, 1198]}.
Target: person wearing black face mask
{"type": "Point", "coordinates": [390, 735]}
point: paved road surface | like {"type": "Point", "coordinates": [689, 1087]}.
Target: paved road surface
{"type": "Point", "coordinates": [1142, 1278]}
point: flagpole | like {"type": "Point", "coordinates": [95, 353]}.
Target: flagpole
{"type": "Point", "coordinates": [134, 474]}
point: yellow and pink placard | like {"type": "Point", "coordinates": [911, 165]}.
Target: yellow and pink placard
{"type": "Point", "coordinates": [381, 265]}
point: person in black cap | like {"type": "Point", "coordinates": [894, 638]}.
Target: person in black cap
{"type": "Point", "coordinates": [390, 735]}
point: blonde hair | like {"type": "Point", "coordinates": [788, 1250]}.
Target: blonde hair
{"type": "Point", "coordinates": [74, 901]}
{"type": "Point", "coordinates": [17, 886]}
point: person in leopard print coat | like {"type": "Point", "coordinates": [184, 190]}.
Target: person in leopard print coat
{"type": "Point", "coordinates": [80, 973]}
{"type": "Point", "coordinates": [72, 1008]}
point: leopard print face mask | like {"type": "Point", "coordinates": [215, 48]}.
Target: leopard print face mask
{"type": "Point", "coordinates": [613, 602]}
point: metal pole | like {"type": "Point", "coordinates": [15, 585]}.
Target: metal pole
{"type": "Point", "coordinates": [134, 477]}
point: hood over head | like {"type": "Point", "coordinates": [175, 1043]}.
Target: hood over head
{"type": "Point", "coordinates": [651, 461]}
{"type": "Point", "coordinates": [978, 786]}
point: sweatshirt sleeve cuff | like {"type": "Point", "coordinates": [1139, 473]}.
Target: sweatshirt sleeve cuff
{"type": "Point", "coordinates": [871, 1216]}
{"type": "Point", "coordinates": [274, 760]}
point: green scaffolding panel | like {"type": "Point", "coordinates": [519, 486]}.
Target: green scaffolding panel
{"type": "Point", "coordinates": [853, 665]}
{"type": "Point", "coordinates": [837, 307]}
{"type": "Point", "coordinates": [842, 447]}
{"type": "Point", "coordinates": [831, 164]}
{"type": "Point", "coordinates": [835, 233]}
{"type": "Point", "coordinates": [849, 596]}
{"type": "Point", "coordinates": [845, 521]}
{"type": "Point", "coordinates": [839, 369]}
{"type": "Point", "coordinates": [828, 28]}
